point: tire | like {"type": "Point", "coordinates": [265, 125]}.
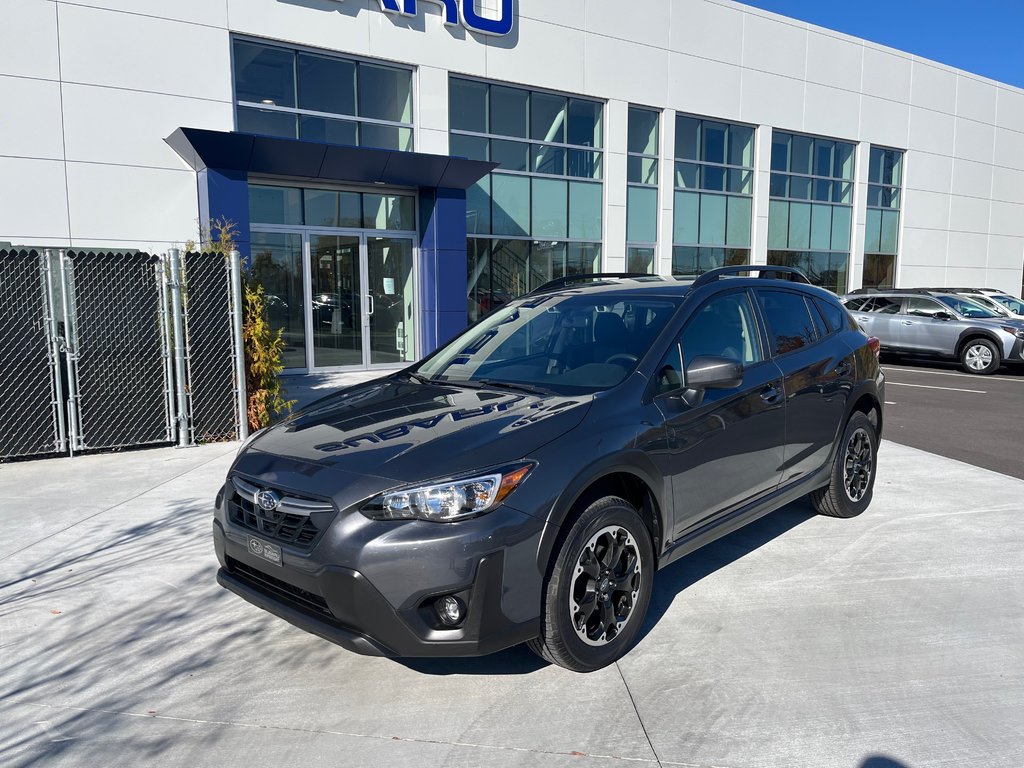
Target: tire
{"type": "Point", "coordinates": [849, 493]}
{"type": "Point", "coordinates": [980, 356]}
{"type": "Point", "coordinates": [581, 567]}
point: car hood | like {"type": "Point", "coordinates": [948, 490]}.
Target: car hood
{"type": "Point", "coordinates": [395, 431]}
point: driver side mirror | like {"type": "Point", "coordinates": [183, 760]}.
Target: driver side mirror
{"type": "Point", "coordinates": [942, 316]}
{"type": "Point", "coordinates": [710, 372]}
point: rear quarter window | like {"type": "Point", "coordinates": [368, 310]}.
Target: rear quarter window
{"type": "Point", "coordinates": [834, 314]}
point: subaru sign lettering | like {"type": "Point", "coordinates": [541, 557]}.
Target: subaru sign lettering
{"type": "Point", "coordinates": [456, 12]}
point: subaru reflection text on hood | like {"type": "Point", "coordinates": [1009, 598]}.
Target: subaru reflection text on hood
{"type": "Point", "coordinates": [524, 482]}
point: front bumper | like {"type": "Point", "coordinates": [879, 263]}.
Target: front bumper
{"type": "Point", "coordinates": [380, 601]}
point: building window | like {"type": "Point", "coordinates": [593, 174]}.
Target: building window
{"type": "Point", "coordinates": [642, 189]}
{"type": "Point", "coordinates": [538, 216]}
{"type": "Point", "coordinates": [295, 206]}
{"type": "Point", "coordinates": [298, 94]}
{"type": "Point", "coordinates": [881, 233]}
{"type": "Point", "coordinates": [714, 180]}
{"type": "Point", "coordinates": [810, 211]}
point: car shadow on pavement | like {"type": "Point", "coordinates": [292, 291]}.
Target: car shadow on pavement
{"type": "Point", "coordinates": [668, 584]}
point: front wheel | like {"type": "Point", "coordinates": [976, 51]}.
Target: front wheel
{"type": "Point", "coordinates": [980, 356]}
{"type": "Point", "coordinates": [600, 586]}
{"type": "Point", "coordinates": [853, 472]}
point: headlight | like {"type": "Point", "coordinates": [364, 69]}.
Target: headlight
{"type": "Point", "coordinates": [249, 439]}
{"type": "Point", "coordinates": [450, 500]}
{"type": "Point", "coordinates": [1018, 332]}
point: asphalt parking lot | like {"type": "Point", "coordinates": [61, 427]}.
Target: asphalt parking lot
{"type": "Point", "coordinates": [892, 639]}
{"type": "Point", "coordinates": [937, 407]}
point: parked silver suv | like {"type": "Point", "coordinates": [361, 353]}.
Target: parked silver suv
{"type": "Point", "coordinates": [933, 323]}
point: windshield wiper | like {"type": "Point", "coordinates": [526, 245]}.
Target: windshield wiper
{"type": "Point", "coordinates": [421, 378]}
{"type": "Point", "coordinates": [515, 385]}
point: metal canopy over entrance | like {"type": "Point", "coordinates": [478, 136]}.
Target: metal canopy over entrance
{"type": "Point", "coordinates": [432, 249]}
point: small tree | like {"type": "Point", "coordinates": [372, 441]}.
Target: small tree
{"type": "Point", "coordinates": [263, 366]}
{"type": "Point", "coordinates": [263, 345]}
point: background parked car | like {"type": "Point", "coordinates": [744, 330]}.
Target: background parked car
{"type": "Point", "coordinates": [934, 323]}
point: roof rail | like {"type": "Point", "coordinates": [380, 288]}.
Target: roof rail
{"type": "Point", "coordinates": [561, 282]}
{"type": "Point", "coordinates": [764, 271]}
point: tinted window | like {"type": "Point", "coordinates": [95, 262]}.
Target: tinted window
{"type": "Point", "coordinates": [723, 327]}
{"type": "Point", "coordinates": [819, 324]}
{"type": "Point", "coordinates": [923, 307]}
{"type": "Point", "coordinates": [835, 317]}
{"type": "Point", "coordinates": [670, 372]}
{"type": "Point", "coordinates": [789, 323]}
{"type": "Point", "coordinates": [1014, 305]}
{"type": "Point", "coordinates": [856, 304]}
{"type": "Point", "coordinates": [884, 304]}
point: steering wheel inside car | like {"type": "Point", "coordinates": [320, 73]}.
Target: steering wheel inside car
{"type": "Point", "coordinates": [625, 359]}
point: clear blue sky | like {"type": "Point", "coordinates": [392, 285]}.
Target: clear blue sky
{"type": "Point", "coordinates": [981, 36]}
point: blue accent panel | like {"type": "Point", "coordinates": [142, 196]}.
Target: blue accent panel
{"type": "Point", "coordinates": [474, 20]}
{"type": "Point", "coordinates": [450, 325]}
{"type": "Point", "coordinates": [280, 157]}
{"type": "Point", "coordinates": [443, 219]}
{"type": "Point", "coordinates": [225, 195]}
{"type": "Point", "coordinates": [443, 264]}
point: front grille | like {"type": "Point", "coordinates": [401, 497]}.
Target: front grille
{"type": "Point", "coordinates": [281, 589]}
{"type": "Point", "coordinates": [297, 521]}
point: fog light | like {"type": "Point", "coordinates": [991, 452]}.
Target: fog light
{"type": "Point", "coordinates": [450, 610]}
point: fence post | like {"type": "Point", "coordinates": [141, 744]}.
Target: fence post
{"type": "Point", "coordinates": [54, 342]}
{"type": "Point", "coordinates": [75, 439]}
{"type": "Point", "coordinates": [235, 266]}
{"type": "Point", "coordinates": [179, 347]}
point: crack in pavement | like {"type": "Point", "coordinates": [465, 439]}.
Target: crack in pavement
{"type": "Point", "coordinates": [327, 732]}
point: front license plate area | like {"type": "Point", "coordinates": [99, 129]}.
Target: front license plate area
{"type": "Point", "coordinates": [269, 552]}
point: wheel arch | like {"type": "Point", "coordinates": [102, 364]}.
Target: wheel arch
{"type": "Point", "coordinates": [978, 333]}
{"type": "Point", "coordinates": [630, 476]}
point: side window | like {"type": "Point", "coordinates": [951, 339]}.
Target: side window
{"type": "Point", "coordinates": [833, 313]}
{"type": "Point", "coordinates": [790, 326]}
{"type": "Point", "coordinates": [857, 303]}
{"type": "Point", "coordinates": [884, 305]}
{"type": "Point", "coordinates": [923, 307]}
{"type": "Point", "coordinates": [670, 372]}
{"type": "Point", "coordinates": [724, 326]}
{"type": "Point", "coordinates": [819, 324]}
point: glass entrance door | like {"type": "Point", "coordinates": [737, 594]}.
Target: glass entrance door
{"type": "Point", "coordinates": [389, 271]}
{"type": "Point", "coordinates": [343, 299]}
{"type": "Point", "coordinates": [335, 308]}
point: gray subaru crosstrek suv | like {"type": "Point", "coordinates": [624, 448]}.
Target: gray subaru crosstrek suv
{"type": "Point", "coordinates": [525, 481]}
{"type": "Point", "coordinates": [939, 324]}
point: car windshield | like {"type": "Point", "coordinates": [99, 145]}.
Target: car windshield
{"type": "Point", "coordinates": [967, 307]}
{"type": "Point", "coordinates": [569, 344]}
{"type": "Point", "coordinates": [1014, 305]}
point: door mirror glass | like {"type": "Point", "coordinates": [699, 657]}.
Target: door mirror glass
{"type": "Point", "coordinates": [942, 315]}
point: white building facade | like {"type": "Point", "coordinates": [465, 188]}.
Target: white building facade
{"type": "Point", "coordinates": [666, 136]}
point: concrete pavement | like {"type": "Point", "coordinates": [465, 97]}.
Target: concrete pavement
{"type": "Point", "coordinates": [890, 639]}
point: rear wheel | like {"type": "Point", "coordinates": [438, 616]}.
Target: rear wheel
{"type": "Point", "coordinates": [853, 472]}
{"type": "Point", "coordinates": [599, 588]}
{"type": "Point", "coordinates": [980, 356]}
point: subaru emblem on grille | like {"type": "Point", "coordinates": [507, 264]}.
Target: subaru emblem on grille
{"type": "Point", "coordinates": [267, 500]}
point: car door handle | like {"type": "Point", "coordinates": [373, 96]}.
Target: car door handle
{"type": "Point", "coordinates": [843, 368]}
{"type": "Point", "coordinates": [908, 322]}
{"type": "Point", "coordinates": [864, 319]}
{"type": "Point", "coordinates": [771, 394]}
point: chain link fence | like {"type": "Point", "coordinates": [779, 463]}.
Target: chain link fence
{"type": "Point", "coordinates": [119, 350]}
{"type": "Point", "coordinates": [28, 380]}
{"type": "Point", "coordinates": [209, 348]}
{"type": "Point", "coordinates": [116, 350]}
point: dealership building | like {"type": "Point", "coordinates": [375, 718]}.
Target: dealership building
{"type": "Point", "coordinates": [392, 169]}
